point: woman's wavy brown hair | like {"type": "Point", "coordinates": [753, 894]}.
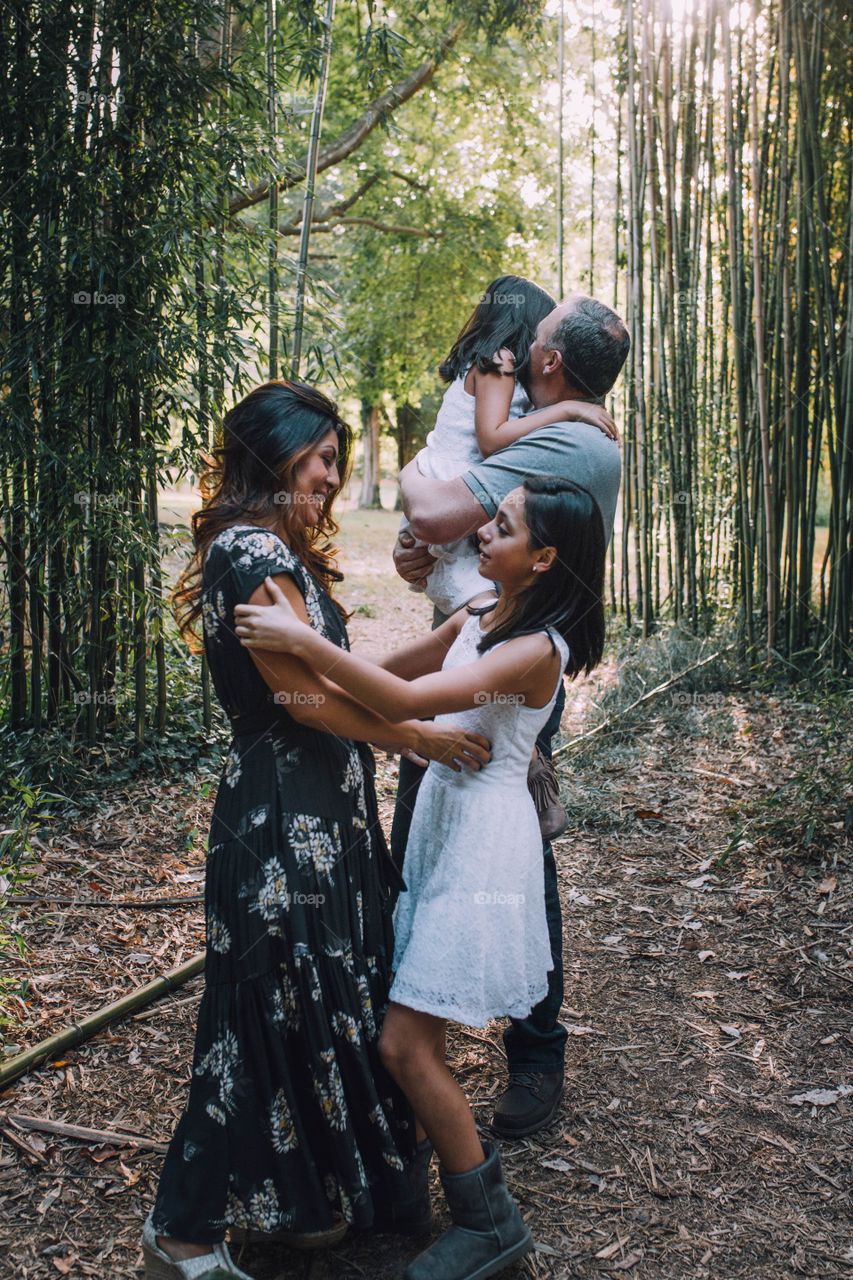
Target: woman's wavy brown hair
{"type": "Point", "coordinates": [264, 439]}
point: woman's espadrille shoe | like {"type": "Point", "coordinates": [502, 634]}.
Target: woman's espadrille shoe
{"type": "Point", "coordinates": [215, 1265]}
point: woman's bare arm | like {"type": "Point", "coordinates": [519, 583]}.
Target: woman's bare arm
{"type": "Point", "coordinates": [525, 667]}
{"type": "Point", "coordinates": [317, 701]}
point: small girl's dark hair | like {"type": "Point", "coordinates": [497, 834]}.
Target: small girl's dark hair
{"type": "Point", "coordinates": [570, 596]}
{"type": "Point", "coordinates": [507, 315]}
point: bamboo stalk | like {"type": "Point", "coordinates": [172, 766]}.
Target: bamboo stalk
{"type": "Point", "coordinates": [149, 904]}
{"type": "Point", "coordinates": [561, 74]}
{"type": "Point", "coordinates": [310, 180]}
{"type": "Point", "coordinates": [82, 1133]}
{"type": "Point", "coordinates": [272, 198]}
{"type": "Point", "coordinates": [81, 1031]}
{"type": "Point", "coordinates": [758, 320]}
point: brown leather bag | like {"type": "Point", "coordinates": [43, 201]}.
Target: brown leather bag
{"type": "Point", "coordinates": [544, 787]}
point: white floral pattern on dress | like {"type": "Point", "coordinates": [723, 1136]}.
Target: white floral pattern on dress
{"type": "Point", "coordinates": [345, 1025]}
{"type": "Point", "coordinates": [221, 1061]}
{"type": "Point", "coordinates": [344, 954]}
{"type": "Point", "coordinates": [330, 1092]}
{"type": "Point", "coordinates": [366, 1007]}
{"type": "Point", "coordinates": [253, 819]}
{"type": "Point", "coordinates": [304, 960]}
{"type": "Point", "coordinates": [285, 1002]}
{"type": "Point", "coordinates": [218, 934]}
{"type": "Point", "coordinates": [256, 545]}
{"type": "Point", "coordinates": [262, 1210]}
{"type": "Point", "coordinates": [232, 768]}
{"type": "Point", "coordinates": [353, 780]}
{"type": "Point", "coordinates": [282, 1128]}
{"type": "Point", "coordinates": [313, 844]}
{"type": "Point", "coordinates": [378, 1117]}
{"type": "Point", "coordinates": [272, 897]}
{"type": "Point", "coordinates": [346, 1205]}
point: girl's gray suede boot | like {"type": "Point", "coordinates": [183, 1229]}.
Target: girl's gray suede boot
{"type": "Point", "coordinates": [488, 1232]}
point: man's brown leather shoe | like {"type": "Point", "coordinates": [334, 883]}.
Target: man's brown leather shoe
{"type": "Point", "coordinates": [529, 1104]}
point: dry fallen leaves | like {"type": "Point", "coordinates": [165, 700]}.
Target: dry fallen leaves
{"type": "Point", "coordinates": [820, 1097]}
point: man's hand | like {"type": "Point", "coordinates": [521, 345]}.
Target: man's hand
{"type": "Point", "coordinates": [412, 562]}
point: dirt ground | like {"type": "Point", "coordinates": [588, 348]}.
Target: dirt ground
{"type": "Point", "coordinates": [705, 1130]}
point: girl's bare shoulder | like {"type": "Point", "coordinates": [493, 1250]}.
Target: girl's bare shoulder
{"type": "Point", "coordinates": [530, 654]}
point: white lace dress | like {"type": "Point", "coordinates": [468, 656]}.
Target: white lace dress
{"type": "Point", "coordinates": [471, 932]}
{"type": "Point", "coordinates": [451, 449]}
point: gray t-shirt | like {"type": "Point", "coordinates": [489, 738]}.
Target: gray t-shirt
{"type": "Point", "coordinates": [567, 451]}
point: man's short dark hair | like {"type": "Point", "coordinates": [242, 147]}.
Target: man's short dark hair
{"type": "Point", "coordinates": [593, 343]}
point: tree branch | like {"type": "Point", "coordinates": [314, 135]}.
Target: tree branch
{"type": "Point", "coordinates": [413, 182]}
{"type": "Point", "coordinates": [360, 129]}
{"type": "Point", "coordinates": [330, 224]}
{"type": "Point", "coordinates": [324, 215]}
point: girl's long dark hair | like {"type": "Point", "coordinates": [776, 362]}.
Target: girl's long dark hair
{"type": "Point", "coordinates": [507, 315]}
{"type": "Point", "coordinates": [570, 596]}
{"type": "Point", "coordinates": [250, 475]}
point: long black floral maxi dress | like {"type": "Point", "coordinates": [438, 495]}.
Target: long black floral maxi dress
{"type": "Point", "coordinates": [291, 1116]}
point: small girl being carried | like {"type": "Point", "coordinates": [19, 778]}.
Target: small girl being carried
{"type": "Point", "coordinates": [484, 409]}
{"type": "Point", "coordinates": [471, 930]}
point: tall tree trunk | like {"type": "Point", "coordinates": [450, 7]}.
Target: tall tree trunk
{"type": "Point", "coordinates": [371, 417]}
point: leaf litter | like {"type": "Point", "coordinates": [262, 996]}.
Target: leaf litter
{"type": "Point", "coordinates": [705, 1129]}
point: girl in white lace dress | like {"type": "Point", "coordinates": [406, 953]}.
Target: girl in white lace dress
{"type": "Point", "coordinates": [485, 408]}
{"type": "Point", "coordinates": [471, 933]}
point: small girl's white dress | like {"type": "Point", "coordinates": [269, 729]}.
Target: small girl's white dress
{"type": "Point", "coordinates": [451, 448]}
{"type": "Point", "coordinates": [471, 931]}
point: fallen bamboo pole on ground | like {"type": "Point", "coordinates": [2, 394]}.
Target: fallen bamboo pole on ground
{"type": "Point", "coordinates": [80, 1132]}
{"type": "Point", "coordinates": [81, 1031]}
{"type": "Point", "coordinates": [125, 904]}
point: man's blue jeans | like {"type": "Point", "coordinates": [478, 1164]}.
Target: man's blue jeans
{"type": "Point", "coordinates": [537, 1042]}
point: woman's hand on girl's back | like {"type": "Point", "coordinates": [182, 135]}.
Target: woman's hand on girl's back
{"type": "Point", "coordinates": [453, 746]}
{"type": "Point", "coordinates": [274, 626]}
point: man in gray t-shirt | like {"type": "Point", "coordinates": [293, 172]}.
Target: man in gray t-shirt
{"type": "Point", "coordinates": [577, 353]}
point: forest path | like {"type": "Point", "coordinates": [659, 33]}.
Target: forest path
{"type": "Point", "coordinates": [702, 1000]}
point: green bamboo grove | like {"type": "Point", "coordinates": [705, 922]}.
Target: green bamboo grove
{"type": "Point", "coordinates": [735, 235]}
{"type": "Point", "coordinates": [122, 142]}
{"type": "Point", "coordinates": [152, 173]}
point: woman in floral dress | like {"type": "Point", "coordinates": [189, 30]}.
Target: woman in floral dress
{"type": "Point", "coordinates": [292, 1123]}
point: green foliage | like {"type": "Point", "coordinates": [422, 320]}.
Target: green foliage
{"type": "Point", "coordinates": [133, 296]}
{"type": "Point", "coordinates": [60, 757]}
{"type": "Point", "coordinates": [449, 205]}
